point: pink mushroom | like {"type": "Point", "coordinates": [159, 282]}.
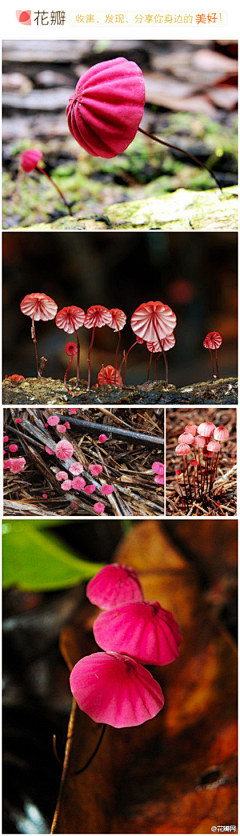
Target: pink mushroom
{"type": "Point", "coordinates": [149, 632]}
{"type": "Point", "coordinates": [96, 317]}
{"type": "Point", "coordinates": [64, 450]}
{"type": "Point", "coordinates": [109, 375]}
{"type": "Point", "coordinates": [212, 341]}
{"type": "Point", "coordinates": [114, 689]}
{"type": "Point", "coordinates": [107, 107]}
{"type": "Point", "coordinates": [220, 434]}
{"type": "Point", "coordinates": [191, 428]}
{"type": "Point", "coordinates": [38, 306]}
{"type": "Point", "coordinates": [29, 160]}
{"type": "Point", "coordinates": [206, 429]}
{"type": "Point", "coordinates": [118, 321]}
{"type": "Point", "coordinates": [70, 319]}
{"type": "Point", "coordinates": [71, 349]}
{"type": "Point", "coordinates": [114, 586]}
{"type": "Point", "coordinates": [153, 321]}
{"type": "Point", "coordinates": [156, 348]}
{"type": "Point", "coordinates": [186, 438]}
{"type": "Point", "coordinates": [16, 465]}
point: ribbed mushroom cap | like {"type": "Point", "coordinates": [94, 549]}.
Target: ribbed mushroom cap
{"type": "Point", "coordinates": [199, 441]}
{"type": "Point", "coordinates": [114, 586]}
{"type": "Point", "coordinates": [186, 438]}
{"type": "Point", "coordinates": [106, 109]}
{"type": "Point", "coordinates": [64, 450]}
{"type": "Point", "coordinates": [221, 434]}
{"type": "Point", "coordinates": [39, 306]}
{"type": "Point", "coordinates": [119, 319]}
{"type": "Point", "coordinates": [145, 630]}
{"type": "Point", "coordinates": [182, 449]}
{"type": "Point", "coordinates": [153, 320]}
{"type": "Point", "coordinates": [29, 159]}
{"type": "Point", "coordinates": [114, 689]}
{"type": "Point", "coordinates": [70, 319]}
{"type": "Point", "coordinates": [206, 429]}
{"type": "Point", "coordinates": [214, 446]}
{"type": "Point", "coordinates": [167, 343]}
{"type": "Point", "coordinates": [212, 340]}
{"type": "Point", "coordinates": [97, 316]}
{"type": "Point", "coordinates": [71, 349]}
{"type": "Point", "coordinates": [109, 375]}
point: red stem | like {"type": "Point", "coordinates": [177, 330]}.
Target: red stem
{"type": "Point", "coordinates": [41, 170]}
{"type": "Point", "coordinates": [89, 356]}
{"type": "Point", "coordinates": [66, 372]}
{"type": "Point", "coordinates": [34, 338]}
{"type": "Point", "coordinates": [163, 352]}
{"type": "Point", "coordinates": [177, 148]}
{"type": "Point", "coordinates": [117, 352]}
{"type": "Point", "coordinates": [149, 364]}
{"type": "Point", "coordinates": [124, 360]}
{"type": "Point", "coordinates": [78, 358]}
{"type": "Point", "coordinates": [213, 370]}
{"type": "Point", "coordinates": [155, 366]}
{"type": "Point", "coordinates": [217, 369]}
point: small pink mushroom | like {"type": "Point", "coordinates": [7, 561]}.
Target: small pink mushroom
{"type": "Point", "coordinates": [149, 632]}
{"type": "Point", "coordinates": [96, 317]}
{"type": "Point", "coordinates": [99, 507]}
{"type": "Point", "coordinates": [95, 469]}
{"type": "Point", "coordinates": [38, 306]}
{"type": "Point", "coordinates": [29, 160]}
{"type": "Point", "coordinates": [212, 341]}
{"type": "Point", "coordinates": [53, 420]}
{"type": "Point", "coordinates": [186, 438]}
{"type": "Point", "coordinates": [78, 483]}
{"type": "Point", "coordinates": [70, 319]}
{"type": "Point", "coordinates": [114, 586]}
{"type": "Point", "coordinates": [107, 490]}
{"type": "Point", "coordinates": [64, 450]}
{"type": "Point", "coordinates": [71, 349]}
{"type": "Point", "coordinates": [154, 321]}
{"type": "Point", "coordinates": [206, 429]}
{"type": "Point", "coordinates": [220, 434]}
{"type": "Point", "coordinates": [76, 468]}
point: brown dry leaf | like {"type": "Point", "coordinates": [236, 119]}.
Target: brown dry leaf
{"type": "Point", "coordinates": [176, 773]}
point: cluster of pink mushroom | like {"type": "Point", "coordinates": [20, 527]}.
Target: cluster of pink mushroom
{"type": "Point", "coordinates": [16, 464]}
{"type": "Point", "coordinates": [113, 687]}
{"type": "Point", "coordinates": [158, 469]}
{"type": "Point", "coordinates": [199, 473]}
{"type": "Point", "coordinates": [71, 479]}
{"type": "Point", "coordinates": [153, 324]}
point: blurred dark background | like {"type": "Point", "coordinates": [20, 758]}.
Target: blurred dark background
{"type": "Point", "coordinates": [195, 274]}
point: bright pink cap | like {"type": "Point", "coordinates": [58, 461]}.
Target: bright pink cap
{"type": "Point", "coordinates": [191, 428]}
{"type": "Point", "coordinates": [5, 439]}
{"type": "Point", "coordinates": [102, 438]}
{"type": "Point", "coordinates": [206, 429]}
{"type": "Point", "coordinates": [73, 410]}
{"type": "Point", "coordinates": [114, 586]}
{"type": "Point", "coordinates": [89, 489]}
{"type": "Point", "coordinates": [53, 420]}
{"type": "Point", "coordinates": [158, 468]}
{"type": "Point", "coordinates": [159, 479]}
{"type": "Point", "coordinates": [186, 438]}
{"type": "Point", "coordinates": [212, 340]}
{"type": "Point", "coordinates": [13, 448]}
{"type": "Point", "coordinates": [49, 451]}
{"type": "Point", "coordinates": [44, 495]}
{"type": "Point", "coordinates": [19, 420]}
{"type": "Point", "coordinates": [61, 429]}
{"type": "Point", "coordinates": [167, 343]}
{"type": "Point", "coordinates": [61, 475]}
{"type": "Point", "coordinates": [67, 425]}
{"type": "Point", "coordinates": [182, 449]}
{"type": "Point", "coordinates": [220, 434]}
{"type": "Point", "coordinates": [39, 306]}
{"type": "Point", "coordinates": [214, 446]}
{"type": "Point", "coordinates": [109, 376]}
{"type": "Point", "coordinates": [70, 319]}
{"type": "Point", "coordinates": [199, 441]}
{"type": "Point", "coordinates": [116, 690]}
{"type": "Point", "coordinates": [76, 468]}
{"type": "Point", "coordinates": [16, 465]}
{"type": "Point", "coordinates": [193, 463]}
{"type": "Point", "coordinates": [106, 109]}
{"type": "Point", "coordinates": [67, 485]}
{"type": "Point", "coordinates": [119, 319]}
{"type": "Point", "coordinates": [64, 450]}
{"type": "Point", "coordinates": [149, 632]}
{"type": "Point", "coordinates": [99, 507]}
{"type": "Point", "coordinates": [71, 349]}
{"type": "Point", "coordinates": [95, 469]}
{"type": "Point", "coordinates": [97, 316]}
{"type": "Point", "coordinates": [78, 483]}
{"type": "Point", "coordinates": [29, 159]}
{"type": "Point", "coordinates": [153, 320]}
{"type": "Point", "coordinates": [107, 489]}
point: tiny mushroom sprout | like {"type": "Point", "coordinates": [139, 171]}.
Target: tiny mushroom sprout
{"type": "Point", "coordinates": [70, 319]}
{"type": "Point", "coordinates": [96, 317]}
{"type": "Point", "coordinates": [154, 321]}
{"type": "Point", "coordinates": [71, 349]}
{"type": "Point", "coordinates": [109, 375]}
{"type": "Point", "coordinates": [145, 630]}
{"type": "Point", "coordinates": [29, 160]}
{"type": "Point", "coordinates": [115, 690]}
{"type": "Point", "coordinates": [119, 319]}
{"type": "Point", "coordinates": [114, 586]}
{"type": "Point", "coordinates": [38, 306]}
{"type": "Point", "coordinates": [106, 109]}
{"type": "Point", "coordinates": [212, 341]}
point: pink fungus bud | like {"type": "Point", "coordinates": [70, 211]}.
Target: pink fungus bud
{"type": "Point", "coordinates": [61, 429]}
{"type": "Point", "coordinates": [212, 340]}
{"type": "Point", "coordinates": [159, 479]}
{"type": "Point", "coordinates": [76, 468]}
{"type": "Point", "coordinates": [71, 349]}
{"type": "Point", "coordinates": [16, 465]}
{"type": "Point", "coordinates": [49, 451]}
{"type": "Point", "coordinates": [178, 472]}
{"type": "Point", "coordinates": [30, 159]}
{"type": "Point", "coordinates": [102, 438]}
{"type": "Point", "coordinates": [78, 483]}
{"type": "Point", "coordinates": [116, 690]}
{"type": "Point", "coordinates": [5, 439]}
{"type": "Point", "coordinates": [53, 420]}
{"type": "Point", "coordinates": [158, 468]}
{"type": "Point", "coordinates": [67, 425]}
{"type": "Point", "coordinates": [214, 446]}
{"type": "Point", "coordinates": [206, 429]}
{"type": "Point", "coordinates": [193, 463]}
{"type": "Point", "coordinates": [150, 632]}
{"type": "Point", "coordinates": [114, 586]}
{"type": "Point", "coordinates": [18, 420]}
{"type": "Point", "coordinates": [5, 466]}
{"type": "Point", "coordinates": [185, 438]}
{"type": "Point", "coordinates": [106, 109]}
{"type": "Point", "coordinates": [99, 507]}
{"type": "Point", "coordinates": [67, 485]}
{"type": "Point", "coordinates": [44, 495]}
{"type": "Point", "coordinates": [107, 489]}
{"type": "Point", "coordinates": [199, 441]}
{"type": "Point", "coordinates": [64, 450]}
{"type": "Point", "coordinates": [182, 449]}
{"type": "Point", "coordinates": [13, 448]}
{"type": "Point", "coordinates": [109, 376]}
{"type": "Point", "coordinates": [89, 489]}
{"type": "Point", "coordinates": [220, 434]}
{"type": "Point", "coordinates": [191, 428]}
{"type": "Point", "coordinates": [73, 410]}
{"type": "Point", "coordinates": [61, 475]}
{"type": "Point", "coordinates": [95, 469]}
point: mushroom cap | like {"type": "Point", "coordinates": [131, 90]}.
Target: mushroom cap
{"type": "Point", "coordinates": [186, 438]}
{"type": "Point", "coordinates": [182, 449]}
{"type": "Point", "coordinates": [64, 450]}
{"type": "Point", "coordinates": [109, 375]}
{"type": "Point", "coordinates": [145, 630]}
{"type": "Point", "coordinates": [158, 467]}
{"type": "Point", "coordinates": [206, 429]}
{"type": "Point", "coordinates": [212, 340]}
{"type": "Point", "coordinates": [76, 468]}
{"type": "Point", "coordinates": [95, 469]}
{"type": "Point", "coordinates": [150, 316]}
{"type": "Point", "coordinates": [119, 319]}
{"type": "Point", "coordinates": [78, 483]}
{"type": "Point", "coordinates": [191, 428]}
{"type": "Point", "coordinates": [167, 343]}
{"type": "Point", "coordinates": [99, 507]}
{"type": "Point", "coordinates": [29, 159]}
{"type": "Point", "coordinates": [39, 306]}
{"type": "Point", "coordinates": [221, 434]}
{"type": "Point", "coordinates": [106, 109]}
{"type": "Point", "coordinates": [214, 446]}
{"type": "Point", "coordinates": [97, 316]}
{"type": "Point", "coordinates": [70, 319]}
{"type": "Point", "coordinates": [16, 465]}
{"type": "Point", "coordinates": [71, 349]}
{"type": "Point", "coordinates": [199, 441]}
{"type": "Point", "coordinates": [114, 586]}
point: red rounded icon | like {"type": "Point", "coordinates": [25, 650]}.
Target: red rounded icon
{"type": "Point", "coordinates": [24, 17]}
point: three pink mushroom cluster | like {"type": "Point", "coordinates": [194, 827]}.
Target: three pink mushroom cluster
{"type": "Point", "coordinates": [200, 471]}
{"type": "Point", "coordinates": [113, 685]}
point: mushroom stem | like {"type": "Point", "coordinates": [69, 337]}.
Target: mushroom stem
{"type": "Point", "coordinates": [93, 753]}
{"type": "Point", "coordinates": [163, 352]}
{"type": "Point", "coordinates": [149, 365]}
{"type": "Point", "coordinates": [34, 338]}
{"type": "Point", "coordinates": [177, 148]}
{"type": "Point", "coordinates": [67, 370]}
{"type": "Point", "coordinates": [213, 370]}
{"type": "Point", "coordinates": [124, 360]}
{"type": "Point", "coordinates": [89, 357]}
{"type": "Point", "coordinates": [78, 358]}
{"type": "Point", "coordinates": [155, 366]}
{"type": "Point", "coordinates": [216, 357]}
{"type": "Point", "coordinates": [41, 170]}
{"type": "Point", "coordinates": [117, 352]}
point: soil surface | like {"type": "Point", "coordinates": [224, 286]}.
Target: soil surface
{"type": "Point", "coordinates": [46, 391]}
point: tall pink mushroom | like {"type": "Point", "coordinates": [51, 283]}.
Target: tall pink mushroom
{"type": "Point", "coordinates": [70, 319]}
{"type": "Point", "coordinates": [154, 321]}
{"type": "Point", "coordinates": [38, 306]}
{"type": "Point", "coordinates": [155, 348]}
{"type": "Point", "coordinates": [96, 317]}
{"type": "Point", "coordinates": [118, 321]}
{"type": "Point", "coordinates": [212, 341]}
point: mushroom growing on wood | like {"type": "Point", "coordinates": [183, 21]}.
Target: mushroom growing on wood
{"type": "Point", "coordinates": [38, 306]}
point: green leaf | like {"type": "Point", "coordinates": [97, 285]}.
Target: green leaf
{"type": "Point", "coordinates": [36, 561]}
